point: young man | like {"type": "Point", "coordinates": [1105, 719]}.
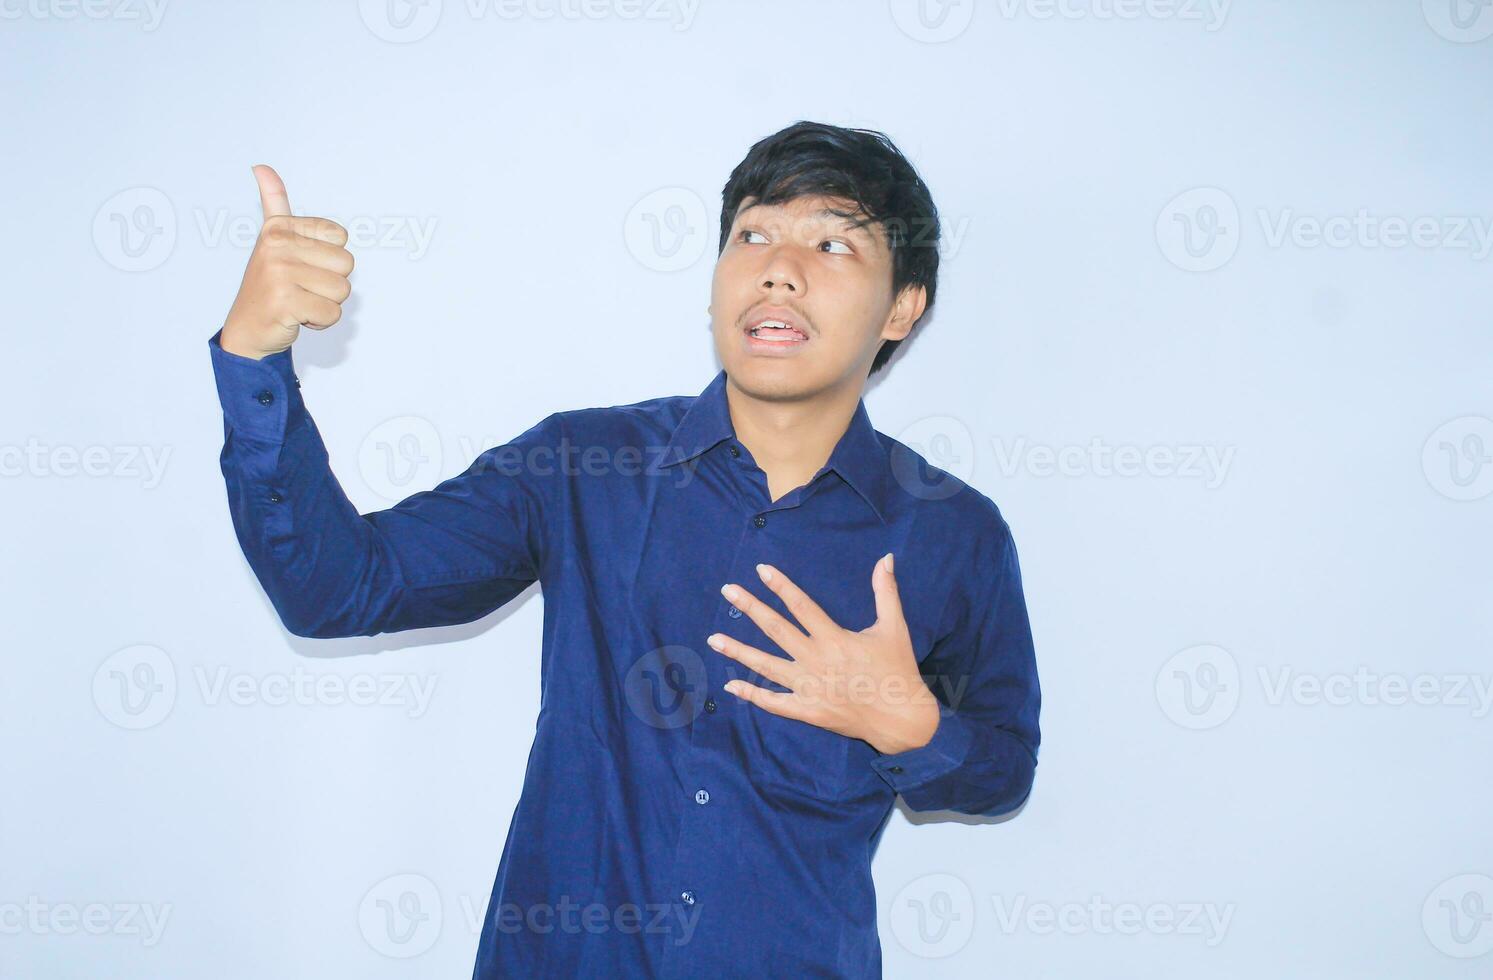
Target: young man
{"type": "Point", "coordinates": [733, 687]}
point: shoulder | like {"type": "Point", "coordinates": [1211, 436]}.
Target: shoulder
{"type": "Point", "coordinates": [649, 422]}
{"type": "Point", "coordinates": [935, 497]}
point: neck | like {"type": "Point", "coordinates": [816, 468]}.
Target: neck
{"type": "Point", "coordinates": [791, 440]}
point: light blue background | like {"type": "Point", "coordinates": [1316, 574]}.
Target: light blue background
{"type": "Point", "coordinates": [1079, 161]}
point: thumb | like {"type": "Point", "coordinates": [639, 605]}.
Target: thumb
{"type": "Point", "coordinates": [884, 585]}
{"type": "Point", "coordinates": [272, 196]}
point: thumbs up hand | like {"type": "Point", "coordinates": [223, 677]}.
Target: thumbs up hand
{"type": "Point", "coordinates": [297, 274]}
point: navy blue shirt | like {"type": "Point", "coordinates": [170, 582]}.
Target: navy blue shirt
{"type": "Point", "coordinates": [665, 827]}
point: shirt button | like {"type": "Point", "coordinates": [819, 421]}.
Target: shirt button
{"type": "Point", "coordinates": [735, 452]}
{"type": "Point", "coordinates": [687, 897]}
{"type": "Point", "coordinates": [894, 769]}
{"type": "Point", "coordinates": [733, 612]}
{"type": "Point", "coordinates": [265, 397]}
{"type": "Point", "coordinates": [710, 704]}
{"type": "Point", "coordinates": [760, 520]}
{"type": "Point", "coordinates": [275, 497]}
{"type": "Point", "coordinates": [297, 380]}
{"type": "Point", "coordinates": [702, 797]}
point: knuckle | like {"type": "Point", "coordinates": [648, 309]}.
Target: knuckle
{"type": "Point", "coordinates": [277, 225]}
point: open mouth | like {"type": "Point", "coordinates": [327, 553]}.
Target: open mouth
{"type": "Point", "coordinates": [777, 332]}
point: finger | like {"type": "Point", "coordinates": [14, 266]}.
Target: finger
{"type": "Point", "coordinates": [778, 704]}
{"type": "Point", "coordinates": [314, 310]}
{"type": "Point", "coordinates": [888, 597]}
{"type": "Point", "coordinates": [323, 283]}
{"type": "Point", "coordinates": [810, 616]}
{"type": "Point", "coordinates": [778, 629]}
{"type": "Point", "coordinates": [272, 195]}
{"type": "Point", "coordinates": [323, 255]}
{"type": "Point", "coordinates": [322, 229]}
{"type": "Point", "coordinates": [775, 669]}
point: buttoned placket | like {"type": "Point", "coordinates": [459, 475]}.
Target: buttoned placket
{"type": "Point", "coordinates": [764, 526]}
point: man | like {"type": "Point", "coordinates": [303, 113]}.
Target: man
{"type": "Point", "coordinates": [763, 619]}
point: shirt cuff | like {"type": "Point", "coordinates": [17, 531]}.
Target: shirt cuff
{"type": "Point", "coordinates": [945, 752]}
{"type": "Point", "coordinates": [261, 398]}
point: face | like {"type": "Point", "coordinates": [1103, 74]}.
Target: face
{"type": "Point", "coordinates": [828, 281]}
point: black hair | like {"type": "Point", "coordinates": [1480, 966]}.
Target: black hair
{"type": "Point", "coordinates": [816, 159]}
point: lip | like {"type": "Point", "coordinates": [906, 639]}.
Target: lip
{"type": "Point", "coordinates": [780, 313]}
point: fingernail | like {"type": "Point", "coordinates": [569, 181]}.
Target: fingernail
{"type": "Point", "coordinates": [714, 639]}
{"type": "Point", "coordinates": [887, 561]}
{"type": "Point", "coordinates": [729, 591]}
{"type": "Point", "coordinates": [765, 572]}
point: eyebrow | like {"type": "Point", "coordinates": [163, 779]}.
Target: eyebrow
{"type": "Point", "coordinates": [829, 214]}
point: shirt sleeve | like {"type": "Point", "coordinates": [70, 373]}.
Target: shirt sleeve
{"type": "Point", "coordinates": [983, 755]}
{"type": "Point", "coordinates": [439, 557]}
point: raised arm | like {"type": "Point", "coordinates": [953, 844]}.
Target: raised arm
{"type": "Point", "coordinates": [439, 557]}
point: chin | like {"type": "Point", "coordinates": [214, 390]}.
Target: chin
{"type": "Point", "coordinates": [774, 379]}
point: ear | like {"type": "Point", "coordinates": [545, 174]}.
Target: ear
{"type": "Point", "coordinates": [909, 305]}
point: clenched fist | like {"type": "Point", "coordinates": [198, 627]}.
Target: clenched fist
{"type": "Point", "coordinates": [297, 275]}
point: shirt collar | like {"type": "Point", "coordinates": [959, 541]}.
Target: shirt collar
{"type": "Point", "coordinates": [859, 457]}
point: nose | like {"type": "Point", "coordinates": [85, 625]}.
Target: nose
{"type": "Point", "coordinates": [781, 275]}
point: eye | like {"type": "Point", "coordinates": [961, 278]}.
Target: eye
{"type": "Point", "coordinates": [836, 241]}
{"type": "Point", "coordinates": [747, 231]}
